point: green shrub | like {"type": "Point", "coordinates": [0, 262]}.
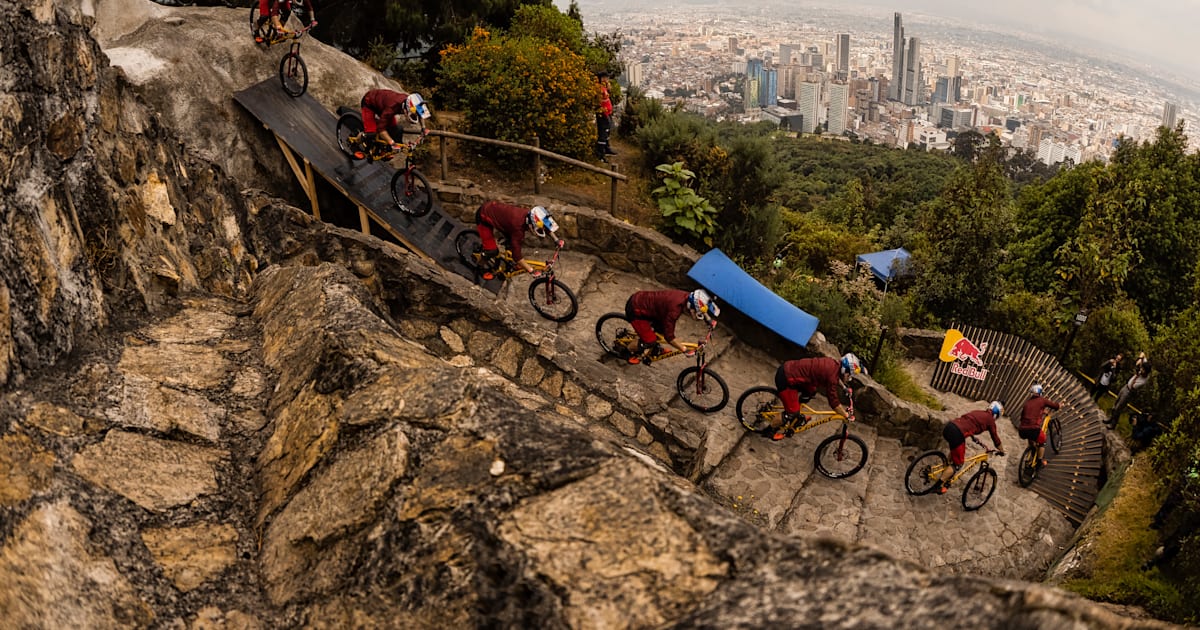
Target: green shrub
{"type": "Point", "coordinates": [684, 212]}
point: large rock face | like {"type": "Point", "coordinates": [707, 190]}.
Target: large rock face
{"type": "Point", "coordinates": [215, 412]}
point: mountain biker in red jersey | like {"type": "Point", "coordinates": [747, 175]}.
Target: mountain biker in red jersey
{"type": "Point", "coordinates": [383, 113]}
{"type": "Point", "coordinates": [959, 429]}
{"type": "Point", "coordinates": [511, 221]}
{"type": "Point", "coordinates": [799, 380]}
{"type": "Point", "coordinates": [271, 9]}
{"type": "Point", "coordinates": [654, 313]}
{"type": "Point", "coordinates": [1031, 420]}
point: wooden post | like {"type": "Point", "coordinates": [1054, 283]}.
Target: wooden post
{"type": "Point", "coordinates": [537, 167]}
{"type": "Point", "coordinates": [442, 148]}
{"type": "Point", "coordinates": [310, 187]}
{"type": "Point", "coordinates": [365, 220]}
{"type": "Point", "coordinates": [612, 199]}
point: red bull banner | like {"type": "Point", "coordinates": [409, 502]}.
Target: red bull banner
{"type": "Point", "coordinates": [965, 355]}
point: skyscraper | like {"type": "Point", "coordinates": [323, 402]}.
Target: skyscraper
{"type": "Point", "coordinates": [785, 54]}
{"type": "Point", "coordinates": [952, 66]}
{"type": "Point", "coordinates": [838, 94]}
{"type": "Point", "coordinates": [913, 84]}
{"type": "Point", "coordinates": [843, 54]}
{"type": "Point", "coordinates": [768, 95]}
{"type": "Point", "coordinates": [1170, 112]}
{"type": "Point", "coordinates": [896, 87]}
{"type": "Point", "coordinates": [809, 105]}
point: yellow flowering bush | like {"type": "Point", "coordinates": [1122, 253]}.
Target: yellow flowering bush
{"type": "Point", "coordinates": [514, 88]}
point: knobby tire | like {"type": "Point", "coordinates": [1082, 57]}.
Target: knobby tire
{"type": "Point", "coordinates": [293, 74]}
{"type": "Point", "coordinates": [710, 396]}
{"type": "Point", "coordinates": [837, 458]}
{"type": "Point", "coordinates": [758, 406]}
{"type": "Point", "coordinates": [553, 300]}
{"type": "Point", "coordinates": [1027, 467]}
{"type": "Point", "coordinates": [979, 489]}
{"type": "Point", "coordinates": [921, 476]}
{"type": "Point", "coordinates": [412, 195]}
{"type": "Point", "coordinates": [608, 328]}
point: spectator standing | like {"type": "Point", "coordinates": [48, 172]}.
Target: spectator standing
{"type": "Point", "coordinates": [1108, 372]}
{"type": "Point", "coordinates": [604, 119]}
{"type": "Point", "coordinates": [1141, 374]}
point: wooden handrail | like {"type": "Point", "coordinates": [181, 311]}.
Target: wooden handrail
{"type": "Point", "coordinates": [538, 152]}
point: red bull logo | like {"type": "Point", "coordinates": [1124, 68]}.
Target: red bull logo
{"type": "Point", "coordinates": [966, 355]}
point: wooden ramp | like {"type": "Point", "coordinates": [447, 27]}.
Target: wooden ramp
{"type": "Point", "coordinates": [1070, 480]}
{"type": "Point", "coordinates": [306, 133]}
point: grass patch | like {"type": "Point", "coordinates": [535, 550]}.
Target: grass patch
{"type": "Point", "coordinates": [898, 381]}
{"type": "Point", "coordinates": [1123, 542]}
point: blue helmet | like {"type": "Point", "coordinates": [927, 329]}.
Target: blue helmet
{"type": "Point", "coordinates": [702, 305]}
{"type": "Point", "coordinates": [540, 221]}
{"type": "Point", "coordinates": [997, 409]}
{"type": "Point", "coordinates": [851, 365]}
{"type": "Point", "coordinates": [1036, 390]}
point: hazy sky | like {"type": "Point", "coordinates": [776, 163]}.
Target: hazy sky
{"type": "Point", "coordinates": [1157, 32]}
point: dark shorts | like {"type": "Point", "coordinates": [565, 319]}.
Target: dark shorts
{"type": "Point", "coordinates": [1034, 433]}
{"type": "Point", "coordinates": [957, 442]}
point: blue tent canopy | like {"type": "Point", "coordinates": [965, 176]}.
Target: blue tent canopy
{"type": "Point", "coordinates": [720, 275]}
{"type": "Point", "coordinates": [887, 265]}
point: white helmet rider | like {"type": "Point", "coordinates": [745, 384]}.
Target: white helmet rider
{"type": "Point", "coordinates": [540, 222]}
{"type": "Point", "coordinates": [702, 305]}
{"type": "Point", "coordinates": [997, 409]}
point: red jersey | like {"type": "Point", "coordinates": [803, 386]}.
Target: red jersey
{"type": "Point", "coordinates": [660, 307]}
{"type": "Point", "coordinates": [977, 422]}
{"type": "Point", "coordinates": [510, 220]}
{"type": "Point", "coordinates": [808, 374]}
{"type": "Point", "coordinates": [385, 104]}
{"type": "Point", "coordinates": [1031, 413]}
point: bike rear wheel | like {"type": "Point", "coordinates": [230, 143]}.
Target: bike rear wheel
{"type": "Point", "coordinates": [613, 331]}
{"type": "Point", "coordinates": [552, 299]}
{"type": "Point", "coordinates": [469, 245]}
{"type": "Point", "coordinates": [1055, 437]}
{"type": "Point", "coordinates": [349, 136]}
{"type": "Point", "coordinates": [702, 390]}
{"type": "Point", "coordinates": [759, 407]}
{"type": "Point", "coordinates": [839, 456]}
{"type": "Point", "coordinates": [293, 74]}
{"type": "Point", "coordinates": [1027, 467]}
{"type": "Point", "coordinates": [979, 489]}
{"type": "Point", "coordinates": [412, 193]}
{"type": "Point", "coordinates": [923, 474]}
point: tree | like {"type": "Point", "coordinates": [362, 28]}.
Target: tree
{"type": "Point", "coordinates": [960, 245]}
{"type": "Point", "coordinates": [514, 88]}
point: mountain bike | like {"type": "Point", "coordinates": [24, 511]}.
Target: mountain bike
{"type": "Point", "coordinates": [1029, 465]}
{"type": "Point", "coordinates": [410, 189]}
{"type": "Point", "coordinates": [550, 297]}
{"type": "Point", "coordinates": [925, 473]}
{"type": "Point", "coordinates": [699, 387]}
{"type": "Point", "coordinates": [293, 73]}
{"type": "Point", "coordinates": [838, 456]}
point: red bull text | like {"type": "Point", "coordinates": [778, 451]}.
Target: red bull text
{"type": "Point", "coordinates": [966, 356]}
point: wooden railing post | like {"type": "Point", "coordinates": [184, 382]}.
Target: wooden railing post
{"type": "Point", "coordinates": [442, 148]}
{"type": "Point", "coordinates": [612, 200]}
{"type": "Point", "coordinates": [537, 166]}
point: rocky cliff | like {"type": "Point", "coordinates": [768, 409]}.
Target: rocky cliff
{"type": "Point", "coordinates": [216, 412]}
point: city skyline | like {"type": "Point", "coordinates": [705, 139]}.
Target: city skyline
{"type": "Point", "coordinates": [1152, 32]}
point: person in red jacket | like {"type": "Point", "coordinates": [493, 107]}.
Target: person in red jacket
{"type": "Point", "coordinates": [654, 313]}
{"type": "Point", "coordinates": [278, 11]}
{"type": "Point", "coordinates": [799, 380]}
{"type": "Point", "coordinates": [511, 221]}
{"type": "Point", "coordinates": [959, 429]}
{"type": "Point", "coordinates": [603, 119]}
{"type": "Point", "coordinates": [1031, 420]}
{"type": "Point", "coordinates": [384, 113]}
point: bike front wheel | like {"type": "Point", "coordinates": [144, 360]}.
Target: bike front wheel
{"type": "Point", "coordinates": [702, 390]}
{"type": "Point", "coordinates": [1055, 437]}
{"type": "Point", "coordinates": [553, 300]}
{"type": "Point", "coordinates": [839, 456]}
{"type": "Point", "coordinates": [759, 407]}
{"type": "Point", "coordinates": [924, 473]}
{"type": "Point", "coordinates": [979, 489]}
{"type": "Point", "coordinates": [411, 192]}
{"type": "Point", "coordinates": [1027, 468]}
{"type": "Point", "coordinates": [293, 74]}
{"type": "Point", "coordinates": [615, 333]}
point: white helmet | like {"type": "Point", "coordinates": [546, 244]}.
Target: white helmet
{"type": "Point", "coordinates": [997, 409]}
{"type": "Point", "coordinates": [702, 305]}
{"type": "Point", "coordinates": [540, 221]}
{"type": "Point", "coordinates": [851, 364]}
{"type": "Point", "coordinates": [1036, 390]}
{"type": "Point", "coordinates": [417, 108]}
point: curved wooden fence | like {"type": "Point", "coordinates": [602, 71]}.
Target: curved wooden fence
{"type": "Point", "coordinates": [998, 366]}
